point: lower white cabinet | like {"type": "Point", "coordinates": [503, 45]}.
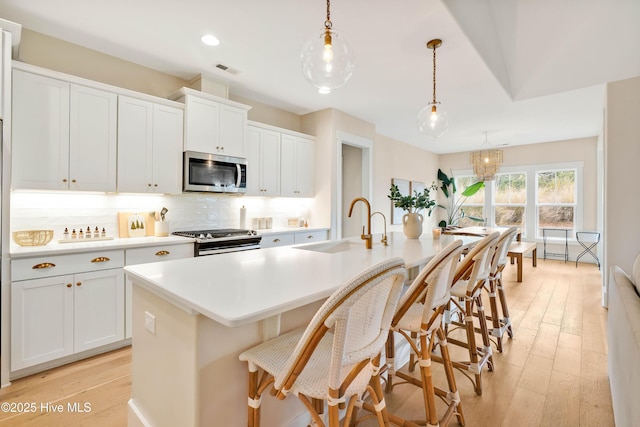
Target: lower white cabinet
{"type": "Point", "coordinates": [53, 317]}
{"type": "Point", "coordinates": [310, 236]}
{"type": "Point", "coordinates": [144, 256]}
{"type": "Point", "coordinates": [292, 238]}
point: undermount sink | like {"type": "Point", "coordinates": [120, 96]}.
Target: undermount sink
{"type": "Point", "coordinates": [331, 247]}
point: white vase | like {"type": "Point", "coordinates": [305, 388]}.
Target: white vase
{"type": "Point", "coordinates": [412, 225]}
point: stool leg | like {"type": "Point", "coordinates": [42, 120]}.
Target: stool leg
{"type": "Point", "coordinates": [484, 330]}
{"type": "Point", "coordinates": [495, 316]}
{"type": "Point", "coordinates": [506, 319]}
{"type": "Point", "coordinates": [448, 370]}
{"type": "Point", "coordinates": [471, 341]}
{"type": "Point", "coordinates": [389, 356]}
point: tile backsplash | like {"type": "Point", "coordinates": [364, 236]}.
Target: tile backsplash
{"type": "Point", "coordinates": [189, 211]}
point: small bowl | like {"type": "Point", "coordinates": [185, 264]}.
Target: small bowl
{"type": "Point", "coordinates": [32, 237]}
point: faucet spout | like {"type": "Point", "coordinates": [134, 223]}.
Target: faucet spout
{"type": "Point", "coordinates": [384, 235]}
{"type": "Point", "coordinates": [367, 237]}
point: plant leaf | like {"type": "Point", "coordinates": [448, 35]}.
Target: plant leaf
{"type": "Point", "coordinates": [473, 189]}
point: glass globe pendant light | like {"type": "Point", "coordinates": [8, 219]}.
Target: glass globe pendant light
{"type": "Point", "coordinates": [327, 58]}
{"type": "Point", "coordinates": [433, 120]}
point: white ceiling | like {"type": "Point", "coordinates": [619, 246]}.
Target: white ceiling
{"type": "Point", "coordinates": [525, 71]}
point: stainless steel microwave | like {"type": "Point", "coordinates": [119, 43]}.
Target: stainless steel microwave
{"type": "Point", "coordinates": [214, 173]}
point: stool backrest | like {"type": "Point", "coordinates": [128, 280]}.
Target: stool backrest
{"type": "Point", "coordinates": [502, 249]}
{"type": "Point", "coordinates": [433, 284]}
{"type": "Point", "coordinates": [359, 313]}
{"type": "Point", "coordinates": [475, 266]}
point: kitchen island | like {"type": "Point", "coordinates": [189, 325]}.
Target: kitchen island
{"type": "Point", "coordinates": [193, 317]}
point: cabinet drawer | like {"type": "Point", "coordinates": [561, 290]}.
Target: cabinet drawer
{"type": "Point", "coordinates": [56, 265]}
{"type": "Point", "coordinates": [273, 240]}
{"type": "Point", "coordinates": [311, 236]}
{"type": "Point", "coordinates": [158, 253]}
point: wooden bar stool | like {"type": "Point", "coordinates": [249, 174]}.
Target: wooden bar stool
{"type": "Point", "coordinates": [420, 313]}
{"type": "Point", "coordinates": [466, 296]}
{"type": "Point", "coordinates": [501, 322]}
{"type": "Point", "coordinates": [337, 357]}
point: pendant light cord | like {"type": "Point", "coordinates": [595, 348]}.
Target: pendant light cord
{"type": "Point", "coordinates": [327, 23]}
{"type": "Point", "coordinates": [434, 74]}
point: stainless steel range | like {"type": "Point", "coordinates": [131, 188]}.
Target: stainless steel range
{"type": "Point", "coordinates": [213, 242]}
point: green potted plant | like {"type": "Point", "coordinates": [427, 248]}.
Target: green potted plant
{"type": "Point", "coordinates": [454, 209]}
{"type": "Point", "coordinates": [412, 204]}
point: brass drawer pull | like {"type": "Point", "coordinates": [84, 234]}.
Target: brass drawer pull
{"type": "Point", "coordinates": [101, 259]}
{"type": "Point", "coordinates": [309, 237]}
{"type": "Point", "coordinates": [43, 265]}
{"type": "Point", "coordinates": [276, 240]}
{"type": "Point", "coordinates": [162, 253]}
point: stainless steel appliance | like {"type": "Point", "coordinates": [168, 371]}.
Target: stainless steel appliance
{"type": "Point", "coordinates": [214, 173]}
{"type": "Point", "coordinates": [213, 242]}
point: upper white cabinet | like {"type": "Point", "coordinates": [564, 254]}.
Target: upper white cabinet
{"type": "Point", "coordinates": [149, 147]}
{"type": "Point", "coordinates": [212, 124]}
{"type": "Point", "coordinates": [263, 156]}
{"type": "Point", "coordinates": [10, 34]}
{"type": "Point", "coordinates": [297, 166]}
{"type": "Point", "coordinates": [64, 135]}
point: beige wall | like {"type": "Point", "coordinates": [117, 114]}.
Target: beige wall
{"type": "Point", "coordinates": [574, 150]}
{"type": "Point", "coordinates": [394, 159]}
{"type": "Point", "coordinates": [55, 54]}
{"type": "Point", "coordinates": [622, 152]}
{"type": "Point", "coordinates": [263, 113]}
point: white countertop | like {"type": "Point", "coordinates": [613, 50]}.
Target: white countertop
{"type": "Point", "coordinates": [243, 287]}
{"type": "Point", "coordinates": [56, 248]}
{"type": "Point", "coordinates": [279, 230]}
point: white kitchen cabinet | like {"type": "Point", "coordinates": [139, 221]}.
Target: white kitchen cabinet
{"type": "Point", "coordinates": [213, 125]}
{"type": "Point", "coordinates": [297, 166]}
{"type": "Point", "coordinates": [55, 314]}
{"type": "Point", "coordinates": [149, 147]}
{"type": "Point", "coordinates": [64, 135]}
{"type": "Point", "coordinates": [310, 236]}
{"type": "Point", "coordinates": [146, 255]}
{"type": "Point", "coordinates": [263, 156]}
{"type": "Point", "coordinates": [279, 239]}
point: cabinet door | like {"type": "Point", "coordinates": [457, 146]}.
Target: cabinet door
{"type": "Point", "coordinates": [233, 122]}
{"type": "Point", "coordinates": [168, 123]}
{"type": "Point", "coordinates": [41, 320]}
{"type": "Point", "coordinates": [263, 155]}
{"type": "Point", "coordinates": [297, 158]}
{"type": "Point", "coordinates": [135, 121]}
{"type": "Point", "coordinates": [288, 186]}
{"type": "Point", "coordinates": [98, 308]}
{"type": "Point", "coordinates": [310, 236]}
{"type": "Point", "coordinates": [202, 126]}
{"type": "Point", "coordinates": [92, 139]}
{"type": "Point", "coordinates": [304, 167]}
{"type": "Point", "coordinates": [40, 134]}
{"type": "Point", "coordinates": [274, 240]}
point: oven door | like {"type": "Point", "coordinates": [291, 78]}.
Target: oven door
{"type": "Point", "coordinates": [214, 173]}
{"type": "Point", "coordinates": [226, 246]}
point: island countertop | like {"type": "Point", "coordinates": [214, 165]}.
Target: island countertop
{"type": "Point", "coordinates": [242, 287]}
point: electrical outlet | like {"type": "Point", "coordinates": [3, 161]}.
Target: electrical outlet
{"type": "Point", "coordinates": [150, 322]}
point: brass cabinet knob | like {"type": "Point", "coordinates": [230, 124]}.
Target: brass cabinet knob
{"type": "Point", "coordinates": [69, 285]}
{"type": "Point", "coordinates": [73, 180]}
{"type": "Point", "coordinates": [43, 265]}
{"type": "Point", "coordinates": [79, 284]}
{"type": "Point", "coordinates": [101, 259]}
{"type": "Point", "coordinates": [64, 180]}
{"type": "Point", "coordinates": [162, 253]}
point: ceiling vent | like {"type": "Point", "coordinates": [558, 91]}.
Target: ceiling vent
{"type": "Point", "coordinates": [227, 69]}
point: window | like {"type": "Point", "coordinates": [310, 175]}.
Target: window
{"type": "Point", "coordinates": [556, 199]}
{"type": "Point", "coordinates": [510, 199]}
{"type": "Point", "coordinates": [473, 206]}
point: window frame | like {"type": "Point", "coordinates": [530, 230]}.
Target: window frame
{"type": "Point", "coordinates": [531, 220]}
{"type": "Point", "coordinates": [494, 193]}
{"type": "Point", "coordinates": [538, 204]}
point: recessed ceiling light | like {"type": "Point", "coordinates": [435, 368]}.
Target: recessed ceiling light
{"type": "Point", "coordinates": [210, 40]}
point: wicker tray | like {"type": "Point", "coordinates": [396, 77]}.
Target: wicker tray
{"type": "Point", "coordinates": [32, 237]}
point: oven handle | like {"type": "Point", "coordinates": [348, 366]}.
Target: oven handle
{"type": "Point", "coordinates": [203, 252]}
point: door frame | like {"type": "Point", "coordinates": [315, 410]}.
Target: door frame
{"type": "Point", "coordinates": [366, 144]}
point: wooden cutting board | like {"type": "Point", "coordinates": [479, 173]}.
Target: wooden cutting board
{"type": "Point", "coordinates": [123, 221]}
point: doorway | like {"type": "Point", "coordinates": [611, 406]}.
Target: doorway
{"type": "Point", "coordinates": [353, 180]}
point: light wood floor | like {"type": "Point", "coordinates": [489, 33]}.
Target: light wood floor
{"type": "Point", "coordinates": [552, 373]}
